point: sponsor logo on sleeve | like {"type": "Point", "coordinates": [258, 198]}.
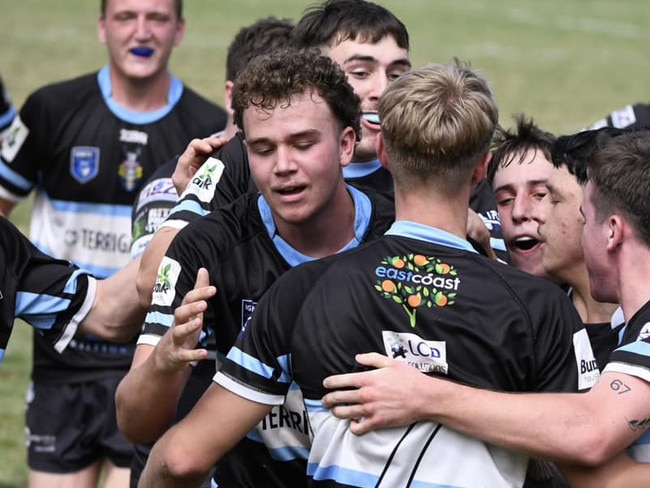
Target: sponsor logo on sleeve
{"type": "Point", "coordinates": [165, 289]}
{"type": "Point", "coordinates": [247, 308]}
{"type": "Point", "coordinates": [84, 163]}
{"type": "Point", "coordinates": [14, 140]}
{"type": "Point", "coordinates": [588, 372]}
{"type": "Point", "coordinates": [427, 356]}
{"type": "Point", "coordinates": [623, 117]}
{"type": "Point", "coordinates": [204, 183]}
{"type": "Point", "coordinates": [415, 281]}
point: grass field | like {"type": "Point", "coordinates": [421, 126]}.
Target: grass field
{"type": "Point", "coordinates": [565, 62]}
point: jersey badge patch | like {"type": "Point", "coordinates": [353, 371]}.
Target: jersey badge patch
{"type": "Point", "coordinates": [84, 163]}
{"type": "Point", "coordinates": [16, 135]}
{"type": "Point", "coordinates": [426, 356]}
{"type": "Point", "coordinates": [416, 281]}
{"type": "Point", "coordinates": [130, 171]}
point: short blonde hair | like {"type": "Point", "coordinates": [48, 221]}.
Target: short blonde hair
{"type": "Point", "coordinates": [436, 122]}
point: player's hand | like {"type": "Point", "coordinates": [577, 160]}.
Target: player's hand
{"type": "Point", "coordinates": [386, 396]}
{"type": "Point", "coordinates": [477, 230]}
{"type": "Point", "coordinates": [177, 348]}
{"type": "Point", "coordinates": [196, 153]}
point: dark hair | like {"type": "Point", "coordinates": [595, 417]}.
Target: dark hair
{"type": "Point", "coordinates": [574, 151]}
{"type": "Point", "coordinates": [179, 8]}
{"type": "Point", "coordinates": [619, 169]}
{"type": "Point", "coordinates": [508, 144]}
{"type": "Point", "coordinates": [272, 79]}
{"type": "Point", "coordinates": [261, 37]}
{"type": "Point", "coordinates": [335, 21]}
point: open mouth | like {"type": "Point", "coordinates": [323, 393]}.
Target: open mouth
{"type": "Point", "coordinates": [293, 190]}
{"type": "Point", "coordinates": [144, 52]}
{"type": "Point", "coordinates": [525, 243]}
{"type": "Point", "coordinates": [372, 118]}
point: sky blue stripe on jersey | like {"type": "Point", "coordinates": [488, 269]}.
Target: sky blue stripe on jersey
{"type": "Point", "coordinates": [498, 244]}
{"type": "Point", "coordinates": [637, 347]}
{"type": "Point", "coordinates": [7, 117]}
{"type": "Point", "coordinates": [362, 212]}
{"type": "Point", "coordinates": [39, 310]}
{"type": "Point", "coordinates": [359, 170]}
{"type": "Point", "coordinates": [358, 478]}
{"type": "Point", "coordinates": [255, 436]}
{"type": "Point", "coordinates": [138, 118]}
{"type": "Point", "coordinates": [2, 354]}
{"type": "Point", "coordinates": [187, 205]}
{"type": "Point", "coordinates": [421, 232]}
{"type": "Point", "coordinates": [315, 406]}
{"type": "Point", "coordinates": [71, 285]}
{"type": "Point", "coordinates": [342, 475]}
{"type": "Point", "coordinates": [154, 317]}
{"type": "Point", "coordinates": [92, 208]}
{"type": "Point", "coordinates": [254, 365]}
{"type": "Point", "coordinates": [14, 178]}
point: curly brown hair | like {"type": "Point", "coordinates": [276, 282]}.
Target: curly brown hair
{"type": "Point", "coordinates": [271, 80]}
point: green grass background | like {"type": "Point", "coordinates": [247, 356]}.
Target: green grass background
{"type": "Point", "coordinates": [567, 63]}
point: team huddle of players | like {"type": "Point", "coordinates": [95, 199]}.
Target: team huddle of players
{"type": "Point", "coordinates": [351, 276]}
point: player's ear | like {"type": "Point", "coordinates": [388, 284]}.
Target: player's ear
{"type": "Point", "coordinates": [347, 142]}
{"type": "Point", "coordinates": [227, 96]}
{"type": "Point", "coordinates": [381, 151]}
{"type": "Point", "coordinates": [101, 29]}
{"type": "Point", "coordinates": [480, 170]}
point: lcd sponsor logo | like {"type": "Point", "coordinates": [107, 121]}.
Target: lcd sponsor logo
{"type": "Point", "coordinates": [426, 356]}
{"type": "Point", "coordinates": [164, 290]}
{"type": "Point", "coordinates": [415, 281]}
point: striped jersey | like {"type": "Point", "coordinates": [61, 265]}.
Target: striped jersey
{"type": "Point", "coordinates": [425, 297]}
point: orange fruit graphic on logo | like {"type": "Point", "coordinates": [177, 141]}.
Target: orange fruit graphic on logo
{"type": "Point", "coordinates": [419, 260]}
{"type": "Point", "coordinates": [398, 263]}
{"type": "Point", "coordinates": [388, 286]}
{"type": "Point", "coordinates": [414, 301]}
{"type": "Point", "coordinates": [441, 299]}
{"type": "Point", "coordinates": [442, 268]}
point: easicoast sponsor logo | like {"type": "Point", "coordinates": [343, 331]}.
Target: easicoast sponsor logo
{"type": "Point", "coordinates": [415, 281]}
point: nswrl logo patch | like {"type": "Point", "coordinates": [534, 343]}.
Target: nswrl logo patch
{"type": "Point", "coordinates": [84, 163]}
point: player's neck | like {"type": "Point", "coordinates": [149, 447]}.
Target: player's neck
{"type": "Point", "coordinates": [631, 278]}
{"type": "Point", "coordinates": [325, 233]}
{"type": "Point", "coordinates": [429, 208]}
{"type": "Point", "coordinates": [590, 310]}
{"type": "Point", "coordinates": [140, 95]}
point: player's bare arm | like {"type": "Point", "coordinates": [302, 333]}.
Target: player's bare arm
{"type": "Point", "coordinates": [116, 314]}
{"type": "Point", "coordinates": [187, 451]}
{"type": "Point", "coordinates": [619, 471]}
{"type": "Point", "coordinates": [147, 397]}
{"type": "Point", "coordinates": [588, 428]}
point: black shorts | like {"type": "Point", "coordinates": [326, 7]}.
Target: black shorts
{"type": "Point", "coordinates": [71, 426]}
